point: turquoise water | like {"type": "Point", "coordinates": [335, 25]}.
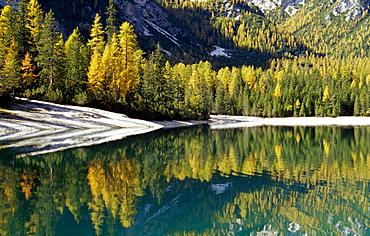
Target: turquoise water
{"type": "Point", "coordinates": [195, 181]}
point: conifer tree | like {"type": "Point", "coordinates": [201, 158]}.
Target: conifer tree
{"type": "Point", "coordinates": [7, 23]}
{"type": "Point", "coordinates": [111, 24]}
{"type": "Point", "coordinates": [108, 68]}
{"type": "Point", "coordinates": [76, 64]}
{"type": "Point", "coordinates": [3, 46]}
{"type": "Point", "coordinates": [222, 98]}
{"type": "Point", "coordinates": [96, 44]}
{"type": "Point", "coordinates": [277, 91]}
{"type": "Point", "coordinates": [96, 41]}
{"type": "Point", "coordinates": [178, 84]}
{"type": "Point", "coordinates": [9, 74]}
{"type": "Point", "coordinates": [95, 75]}
{"type": "Point", "coordinates": [235, 91]}
{"type": "Point", "coordinates": [326, 96]}
{"type": "Point", "coordinates": [126, 73]}
{"type": "Point", "coordinates": [153, 84]}
{"type": "Point", "coordinates": [28, 70]}
{"type": "Point", "coordinates": [50, 53]}
{"type": "Point", "coordinates": [35, 19]}
{"type": "Point", "coordinates": [198, 96]}
{"type": "Point", "coordinates": [22, 33]}
{"type": "Point", "coordinates": [249, 76]}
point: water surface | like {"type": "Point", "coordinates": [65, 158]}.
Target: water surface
{"type": "Point", "coordinates": [195, 181]}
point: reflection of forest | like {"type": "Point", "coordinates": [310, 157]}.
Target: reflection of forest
{"type": "Point", "coordinates": [318, 182]}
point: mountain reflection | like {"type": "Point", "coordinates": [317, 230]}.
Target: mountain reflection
{"type": "Point", "coordinates": [195, 181]}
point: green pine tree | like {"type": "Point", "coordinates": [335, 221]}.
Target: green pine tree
{"type": "Point", "coordinates": [50, 58]}
{"type": "Point", "coordinates": [111, 21]}
{"type": "Point", "coordinates": [76, 65]}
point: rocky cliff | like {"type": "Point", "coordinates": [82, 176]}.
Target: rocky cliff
{"type": "Point", "coordinates": [349, 9]}
{"type": "Point", "coordinates": [152, 23]}
{"type": "Point", "coordinates": [290, 6]}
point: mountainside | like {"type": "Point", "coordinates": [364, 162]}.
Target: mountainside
{"type": "Point", "coordinates": [231, 32]}
{"type": "Point", "coordinates": [350, 9]}
{"type": "Point", "coordinates": [152, 23]}
{"type": "Point", "coordinates": [338, 28]}
{"type": "Point", "coordinates": [290, 6]}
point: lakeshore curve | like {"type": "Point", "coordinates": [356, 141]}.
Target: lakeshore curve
{"type": "Point", "coordinates": [35, 127]}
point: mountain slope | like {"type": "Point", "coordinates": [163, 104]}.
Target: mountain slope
{"type": "Point", "coordinates": [148, 18]}
{"type": "Point", "coordinates": [247, 32]}
{"type": "Point", "coordinates": [337, 28]}
{"type": "Point", "coordinates": [187, 33]}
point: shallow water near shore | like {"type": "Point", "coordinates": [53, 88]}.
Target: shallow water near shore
{"type": "Point", "coordinates": [195, 181]}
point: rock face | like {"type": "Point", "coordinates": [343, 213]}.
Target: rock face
{"type": "Point", "coordinates": [268, 5]}
{"type": "Point", "coordinates": [144, 14]}
{"type": "Point", "coordinates": [150, 20]}
{"type": "Point", "coordinates": [350, 9]}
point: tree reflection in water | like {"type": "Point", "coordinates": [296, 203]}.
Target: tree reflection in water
{"type": "Point", "coordinates": [195, 181]}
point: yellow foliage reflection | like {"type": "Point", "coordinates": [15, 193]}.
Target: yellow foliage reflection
{"type": "Point", "coordinates": [326, 145]}
{"type": "Point", "coordinates": [8, 200]}
{"type": "Point", "coordinates": [114, 186]}
{"type": "Point", "coordinates": [28, 183]}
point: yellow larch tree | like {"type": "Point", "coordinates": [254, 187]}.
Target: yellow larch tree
{"type": "Point", "coordinates": [277, 91]}
{"type": "Point", "coordinates": [249, 76]}
{"type": "Point", "coordinates": [326, 95]}
{"type": "Point", "coordinates": [96, 44]}
{"type": "Point", "coordinates": [96, 34]}
{"type": "Point", "coordinates": [28, 70]}
{"type": "Point", "coordinates": [9, 74]}
{"type": "Point", "coordinates": [35, 18]}
{"type": "Point", "coordinates": [125, 73]}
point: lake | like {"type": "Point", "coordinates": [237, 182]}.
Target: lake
{"type": "Point", "coordinates": [195, 181]}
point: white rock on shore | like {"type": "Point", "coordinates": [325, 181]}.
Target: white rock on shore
{"type": "Point", "coordinates": [35, 127]}
{"type": "Point", "coordinates": [25, 116]}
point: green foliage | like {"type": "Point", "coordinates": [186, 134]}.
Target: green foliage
{"type": "Point", "coordinates": [153, 85]}
{"type": "Point", "coordinates": [54, 95]}
{"type": "Point", "coordinates": [82, 98]}
{"type": "Point", "coordinates": [111, 19]}
{"type": "Point", "coordinates": [75, 72]}
{"type": "Point", "coordinates": [9, 73]}
{"type": "Point", "coordinates": [50, 53]}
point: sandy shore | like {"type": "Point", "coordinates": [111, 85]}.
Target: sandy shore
{"type": "Point", "coordinates": [35, 127]}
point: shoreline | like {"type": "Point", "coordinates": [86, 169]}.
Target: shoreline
{"type": "Point", "coordinates": [32, 115]}
{"type": "Point", "coordinates": [35, 127]}
{"type": "Point", "coordinates": [223, 121]}
{"type": "Point", "coordinates": [30, 127]}
{"type": "Point", "coordinates": [226, 121]}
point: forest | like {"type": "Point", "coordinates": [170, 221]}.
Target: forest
{"type": "Point", "coordinates": [109, 70]}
